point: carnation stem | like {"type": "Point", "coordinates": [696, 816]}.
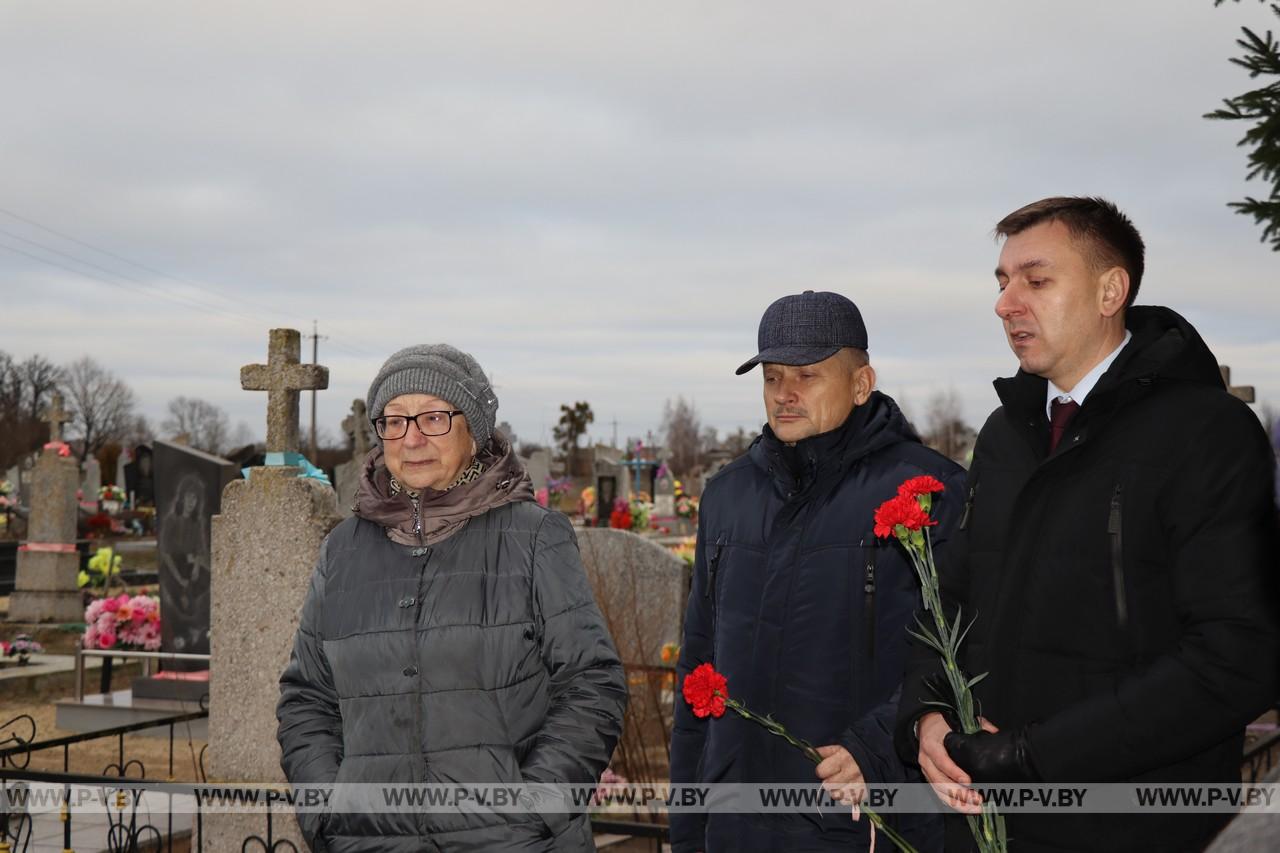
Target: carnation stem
{"type": "Point", "coordinates": [988, 828]}
{"type": "Point", "coordinates": [774, 727]}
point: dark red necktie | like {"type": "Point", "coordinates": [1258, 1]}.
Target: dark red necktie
{"type": "Point", "coordinates": [1060, 414]}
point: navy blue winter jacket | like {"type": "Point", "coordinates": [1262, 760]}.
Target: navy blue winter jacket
{"type": "Point", "coordinates": [797, 603]}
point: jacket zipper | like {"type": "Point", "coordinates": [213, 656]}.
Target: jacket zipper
{"type": "Point", "coordinates": [1114, 528]}
{"type": "Point", "coordinates": [420, 725]}
{"type": "Point", "coordinates": [869, 603]}
{"type": "Point", "coordinates": [712, 565]}
{"type": "Point", "coordinates": [968, 507]}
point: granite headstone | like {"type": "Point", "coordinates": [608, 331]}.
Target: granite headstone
{"type": "Point", "coordinates": [347, 475]}
{"type": "Point", "coordinates": [539, 467]}
{"type": "Point", "coordinates": [189, 486]}
{"type": "Point", "coordinates": [90, 483]}
{"type": "Point", "coordinates": [139, 477]}
{"type": "Point", "coordinates": [45, 588]}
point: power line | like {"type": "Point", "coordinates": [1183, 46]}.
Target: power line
{"type": "Point", "coordinates": [133, 263]}
{"type": "Point", "coordinates": [139, 285]}
{"type": "Point", "coordinates": [145, 287]}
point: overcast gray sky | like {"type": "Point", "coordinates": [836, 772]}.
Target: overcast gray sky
{"type": "Point", "coordinates": [598, 199]}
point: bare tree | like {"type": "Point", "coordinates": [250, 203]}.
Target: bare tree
{"type": "Point", "coordinates": [10, 388]}
{"type": "Point", "coordinates": [41, 378]}
{"type": "Point", "coordinates": [946, 430]}
{"type": "Point", "coordinates": [102, 405]}
{"type": "Point", "coordinates": [708, 441]}
{"type": "Point", "coordinates": [738, 441]}
{"type": "Point", "coordinates": [206, 426]}
{"type": "Point", "coordinates": [682, 434]}
{"type": "Point", "coordinates": [241, 436]}
{"type": "Point", "coordinates": [25, 390]}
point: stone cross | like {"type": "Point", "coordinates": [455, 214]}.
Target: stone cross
{"type": "Point", "coordinates": [1243, 392]}
{"type": "Point", "coordinates": [282, 377]}
{"type": "Point", "coordinates": [55, 416]}
{"type": "Point", "coordinates": [357, 423]}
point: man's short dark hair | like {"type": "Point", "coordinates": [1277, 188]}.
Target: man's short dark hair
{"type": "Point", "coordinates": [1107, 237]}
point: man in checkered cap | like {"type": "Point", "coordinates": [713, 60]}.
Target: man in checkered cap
{"type": "Point", "coordinates": [794, 600]}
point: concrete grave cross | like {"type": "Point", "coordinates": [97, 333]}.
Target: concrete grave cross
{"type": "Point", "coordinates": [357, 423]}
{"type": "Point", "coordinates": [1243, 392]}
{"type": "Point", "coordinates": [282, 377]}
{"type": "Point", "coordinates": [55, 416]}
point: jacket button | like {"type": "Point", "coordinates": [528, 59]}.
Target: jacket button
{"type": "Point", "coordinates": [407, 601]}
{"type": "Point", "coordinates": [410, 671]}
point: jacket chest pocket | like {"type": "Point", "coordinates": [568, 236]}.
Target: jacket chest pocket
{"type": "Point", "coordinates": [733, 591]}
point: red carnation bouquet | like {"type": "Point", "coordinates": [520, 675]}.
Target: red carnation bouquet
{"type": "Point", "coordinates": [905, 517]}
{"type": "Point", "coordinates": [707, 693]}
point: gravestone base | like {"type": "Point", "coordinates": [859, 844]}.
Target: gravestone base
{"type": "Point", "coordinates": [265, 545]}
{"type": "Point", "coordinates": [45, 588]}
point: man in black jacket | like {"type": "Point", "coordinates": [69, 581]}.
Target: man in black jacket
{"type": "Point", "coordinates": [793, 598]}
{"type": "Point", "coordinates": [1118, 550]}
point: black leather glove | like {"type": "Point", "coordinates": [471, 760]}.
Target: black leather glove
{"type": "Point", "coordinates": [1001, 757]}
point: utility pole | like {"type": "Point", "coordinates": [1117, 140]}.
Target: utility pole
{"type": "Point", "coordinates": [315, 353]}
{"type": "Point", "coordinates": [614, 424]}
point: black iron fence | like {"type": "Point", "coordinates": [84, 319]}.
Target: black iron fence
{"type": "Point", "coordinates": [121, 787]}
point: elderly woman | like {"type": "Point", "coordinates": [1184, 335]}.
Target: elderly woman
{"type": "Point", "coordinates": [449, 634]}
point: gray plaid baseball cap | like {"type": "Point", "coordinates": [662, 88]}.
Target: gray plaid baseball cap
{"type": "Point", "coordinates": [807, 328]}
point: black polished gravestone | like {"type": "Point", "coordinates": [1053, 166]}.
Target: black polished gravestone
{"type": "Point", "coordinates": [189, 487]}
{"type": "Point", "coordinates": [606, 493]}
{"type": "Point", "coordinates": [139, 477]}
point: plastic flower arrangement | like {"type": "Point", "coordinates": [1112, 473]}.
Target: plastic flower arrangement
{"type": "Point", "coordinates": [559, 486]}
{"type": "Point", "coordinates": [111, 493]}
{"type": "Point", "coordinates": [905, 517]}
{"type": "Point", "coordinates": [687, 550]}
{"type": "Point", "coordinates": [587, 500]}
{"type": "Point", "coordinates": [104, 564]}
{"type": "Point", "coordinates": [620, 517]}
{"type": "Point", "coordinates": [123, 622]}
{"type": "Point", "coordinates": [6, 488]}
{"type": "Point", "coordinates": [686, 506]}
{"type": "Point", "coordinates": [99, 525]}
{"type": "Point", "coordinates": [541, 497]}
{"type": "Point", "coordinates": [22, 647]}
{"type": "Point", "coordinates": [670, 653]}
{"type": "Point", "coordinates": [640, 512]}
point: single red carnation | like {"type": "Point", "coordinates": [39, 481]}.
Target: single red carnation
{"type": "Point", "coordinates": [904, 510]}
{"type": "Point", "coordinates": [706, 691]}
{"type": "Point", "coordinates": [920, 486]}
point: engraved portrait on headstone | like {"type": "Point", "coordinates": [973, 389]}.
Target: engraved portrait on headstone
{"type": "Point", "coordinates": [189, 487]}
{"type": "Point", "coordinates": [184, 563]}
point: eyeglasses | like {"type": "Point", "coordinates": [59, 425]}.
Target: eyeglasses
{"type": "Point", "coordinates": [393, 427]}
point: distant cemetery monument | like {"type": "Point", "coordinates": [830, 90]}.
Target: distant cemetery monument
{"type": "Point", "coordinates": [45, 588]}
{"type": "Point", "coordinates": [346, 477]}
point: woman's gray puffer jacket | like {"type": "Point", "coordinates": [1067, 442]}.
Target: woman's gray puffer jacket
{"type": "Point", "coordinates": [480, 658]}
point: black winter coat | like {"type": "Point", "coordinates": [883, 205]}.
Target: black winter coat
{"type": "Point", "coordinates": [796, 602]}
{"type": "Point", "coordinates": [1124, 587]}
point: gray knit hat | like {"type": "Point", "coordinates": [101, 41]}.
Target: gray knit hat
{"type": "Point", "coordinates": [442, 371]}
